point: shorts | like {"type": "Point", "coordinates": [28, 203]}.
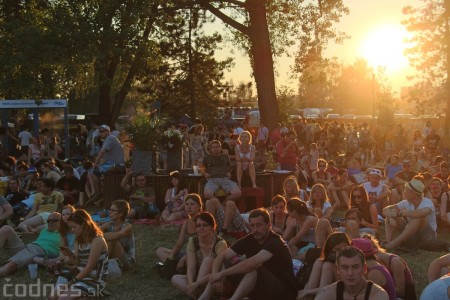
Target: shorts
{"type": "Point", "coordinates": [213, 184]}
{"type": "Point", "coordinates": [426, 235]}
{"type": "Point", "coordinates": [14, 245]}
{"type": "Point", "coordinates": [44, 215]}
{"type": "Point", "coordinates": [237, 223]}
{"type": "Point", "coordinates": [25, 256]}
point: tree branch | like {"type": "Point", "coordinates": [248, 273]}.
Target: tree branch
{"type": "Point", "coordinates": [233, 23]}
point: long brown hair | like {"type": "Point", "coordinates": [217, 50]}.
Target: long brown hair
{"type": "Point", "coordinates": [64, 228]}
{"type": "Point", "coordinates": [90, 229]}
{"type": "Point", "coordinates": [364, 206]}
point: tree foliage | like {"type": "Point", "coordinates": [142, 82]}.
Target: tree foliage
{"type": "Point", "coordinates": [428, 51]}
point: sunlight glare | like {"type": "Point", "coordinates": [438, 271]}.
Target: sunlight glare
{"type": "Point", "coordinates": [384, 46]}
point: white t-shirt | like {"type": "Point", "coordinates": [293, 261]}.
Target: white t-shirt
{"type": "Point", "coordinates": [406, 205]}
{"type": "Point", "coordinates": [326, 205]}
{"type": "Point", "coordinates": [373, 191]}
{"type": "Point", "coordinates": [25, 137]}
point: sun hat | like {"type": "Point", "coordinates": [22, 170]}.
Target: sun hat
{"type": "Point", "coordinates": [365, 245]}
{"type": "Point", "coordinates": [376, 172]}
{"type": "Point", "coordinates": [416, 186]}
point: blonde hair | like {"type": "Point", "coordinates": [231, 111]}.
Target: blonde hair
{"type": "Point", "coordinates": [249, 136]}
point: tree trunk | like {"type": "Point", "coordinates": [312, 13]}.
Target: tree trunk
{"type": "Point", "coordinates": [262, 61]}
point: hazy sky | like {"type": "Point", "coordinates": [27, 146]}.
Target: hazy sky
{"type": "Point", "coordinates": [364, 18]}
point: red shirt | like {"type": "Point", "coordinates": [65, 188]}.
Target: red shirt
{"type": "Point", "coordinates": [291, 155]}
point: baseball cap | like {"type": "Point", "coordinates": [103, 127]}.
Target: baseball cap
{"type": "Point", "coordinates": [365, 245]}
{"type": "Point", "coordinates": [105, 127]}
{"type": "Point", "coordinates": [376, 172]}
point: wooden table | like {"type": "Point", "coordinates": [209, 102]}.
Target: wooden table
{"type": "Point", "coordinates": [271, 182]}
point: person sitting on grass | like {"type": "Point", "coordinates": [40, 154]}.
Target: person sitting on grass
{"type": "Point", "coordinates": [304, 228]}
{"type": "Point", "coordinates": [359, 200]}
{"type": "Point", "coordinates": [420, 225]}
{"type": "Point", "coordinates": [279, 215]}
{"type": "Point", "coordinates": [90, 258]}
{"type": "Point", "coordinates": [142, 197]}
{"type": "Point", "coordinates": [398, 268]}
{"type": "Point", "coordinates": [45, 202]}
{"type": "Point", "coordinates": [291, 189]}
{"type": "Point", "coordinates": [175, 199]}
{"type": "Point", "coordinates": [339, 189]}
{"type": "Point", "coordinates": [439, 267]}
{"type": "Point", "coordinates": [318, 203]}
{"type": "Point", "coordinates": [351, 268]}
{"type": "Point", "coordinates": [67, 241]}
{"type": "Point", "coordinates": [265, 273]}
{"type": "Point", "coordinates": [245, 155]}
{"type": "Point", "coordinates": [119, 235]}
{"type": "Point", "coordinates": [201, 252]}
{"type": "Point", "coordinates": [46, 245]}
{"type": "Point", "coordinates": [376, 272]}
{"type": "Point", "coordinates": [69, 186]}
{"type": "Point", "coordinates": [324, 269]}
{"type": "Point", "coordinates": [193, 206]}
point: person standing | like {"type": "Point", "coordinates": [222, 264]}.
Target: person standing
{"type": "Point", "coordinates": [24, 140]}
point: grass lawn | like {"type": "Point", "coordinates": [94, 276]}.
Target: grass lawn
{"type": "Point", "coordinates": [145, 283]}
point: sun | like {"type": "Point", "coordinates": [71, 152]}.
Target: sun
{"type": "Point", "coordinates": [384, 46]}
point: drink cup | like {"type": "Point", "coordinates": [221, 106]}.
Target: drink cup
{"type": "Point", "coordinates": [195, 168]}
{"type": "Point", "coordinates": [32, 268]}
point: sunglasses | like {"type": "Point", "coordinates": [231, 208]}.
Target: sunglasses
{"type": "Point", "coordinates": [51, 221]}
{"type": "Point", "coordinates": [356, 196]}
{"type": "Point", "coordinates": [202, 225]}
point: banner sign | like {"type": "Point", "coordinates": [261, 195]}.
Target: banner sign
{"type": "Point", "coordinates": [47, 103]}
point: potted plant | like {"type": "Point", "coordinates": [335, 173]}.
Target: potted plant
{"type": "Point", "coordinates": [145, 133]}
{"type": "Point", "coordinates": [172, 140]}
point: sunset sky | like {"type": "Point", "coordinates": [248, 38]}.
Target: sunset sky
{"type": "Point", "coordinates": [370, 24]}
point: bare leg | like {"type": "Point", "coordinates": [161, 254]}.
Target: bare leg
{"type": "Point", "coordinates": [345, 198]}
{"type": "Point", "coordinates": [8, 268]}
{"type": "Point", "coordinates": [180, 282]}
{"type": "Point", "coordinates": [115, 249]}
{"type": "Point", "coordinates": [239, 173]}
{"type": "Point", "coordinates": [230, 210]}
{"type": "Point", "coordinates": [390, 228]}
{"type": "Point", "coordinates": [246, 285]}
{"type": "Point", "coordinates": [323, 230]}
{"type": "Point", "coordinates": [234, 194]}
{"type": "Point", "coordinates": [327, 276]}
{"type": "Point", "coordinates": [414, 225]}
{"type": "Point", "coordinates": [252, 173]}
{"type": "Point", "coordinates": [163, 253]}
{"type": "Point", "coordinates": [7, 235]}
{"type": "Point", "coordinates": [32, 222]}
{"type": "Point", "coordinates": [335, 198]}
{"type": "Point", "coordinates": [394, 197]}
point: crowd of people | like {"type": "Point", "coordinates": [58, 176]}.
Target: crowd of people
{"type": "Point", "coordinates": [354, 194]}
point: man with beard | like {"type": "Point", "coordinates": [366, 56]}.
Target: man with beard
{"type": "Point", "coordinates": [267, 271]}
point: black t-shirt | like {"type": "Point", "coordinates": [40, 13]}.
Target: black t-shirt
{"type": "Point", "coordinates": [217, 166]}
{"type": "Point", "coordinates": [280, 264]}
{"type": "Point", "coordinates": [15, 197]}
{"type": "Point", "coordinates": [66, 184]}
{"type": "Point", "coordinates": [227, 147]}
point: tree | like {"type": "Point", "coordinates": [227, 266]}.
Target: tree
{"type": "Point", "coordinates": [266, 28]}
{"type": "Point", "coordinates": [430, 51]}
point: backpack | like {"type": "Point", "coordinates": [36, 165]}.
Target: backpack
{"type": "Point", "coordinates": [304, 272]}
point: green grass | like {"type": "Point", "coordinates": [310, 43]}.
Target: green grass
{"type": "Point", "coordinates": [145, 283]}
